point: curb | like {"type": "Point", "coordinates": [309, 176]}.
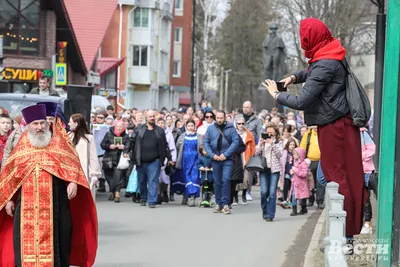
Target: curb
{"type": "Point", "coordinates": [314, 244]}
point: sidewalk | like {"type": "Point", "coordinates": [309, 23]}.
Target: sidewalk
{"type": "Point", "coordinates": [363, 259]}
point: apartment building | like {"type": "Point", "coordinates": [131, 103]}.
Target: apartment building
{"type": "Point", "coordinates": [139, 38]}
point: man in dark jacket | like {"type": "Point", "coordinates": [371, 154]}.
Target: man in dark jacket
{"type": "Point", "coordinates": [44, 88]}
{"type": "Point", "coordinates": [221, 142]}
{"type": "Point", "coordinates": [148, 149]}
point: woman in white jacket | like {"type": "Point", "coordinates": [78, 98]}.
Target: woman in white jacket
{"type": "Point", "coordinates": [85, 146]}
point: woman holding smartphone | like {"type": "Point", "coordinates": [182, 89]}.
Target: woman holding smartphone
{"type": "Point", "coordinates": [270, 147]}
{"type": "Point", "coordinates": [323, 99]}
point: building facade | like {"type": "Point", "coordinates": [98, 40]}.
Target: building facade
{"type": "Point", "coordinates": [51, 38]}
{"type": "Point", "coordinates": [181, 50]}
{"type": "Point", "coordinates": [143, 31]}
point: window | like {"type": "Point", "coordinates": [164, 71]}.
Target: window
{"type": "Point", "coordinates": [177, 69]}
{"type": "Point", "coordinates": [178, 35]}
{"type": "Point", "coordinates": [140, 54]}
{"type": "Point", "coordinates": [141, 17]}
{"type": "Point", "coordinates": [20, 26]}
{"type": "Point", "coordinates": [178, 4]}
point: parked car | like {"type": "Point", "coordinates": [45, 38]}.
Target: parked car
{"type": "Point", "coordinates": [15, 102]}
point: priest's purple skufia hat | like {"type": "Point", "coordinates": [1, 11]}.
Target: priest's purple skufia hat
{"type": "Point", "coordinates": [34, 113]}
{"type": "Point", "coordinates": [51, 108]}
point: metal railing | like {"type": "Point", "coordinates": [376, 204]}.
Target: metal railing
{"type": "Point", "coordinates": [335, 227]}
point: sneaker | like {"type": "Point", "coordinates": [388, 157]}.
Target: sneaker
{"type": "Point", "coordinates": [205, 204]}
{"type": "Point", "coordinates": [217, 209]}
{"type": "Point", "coordinates": [235, 203]}
{"type": "Point", "coordinates": [366, 229]}
{"type": "Point", "coordinates": [321, 206]}
{"type": "Point", "coordinates": [184, 201]}
{"type": "Point", "coordinates": [244, 200]}
{"type": "Point", "coordinates": [283, 205]}
{"type": "Point", "coordinates": [152, 206]}
{"type": "Point", "coordinates": [269, 220]}
{"type": "Point", "coordinates": [191, 202]}
{"type": "Point", "coordinates": [249, 197]}
{"type": "Point", "coordinates": [143, 203]}
{"type": "Point", "coordinates": [226, 210]}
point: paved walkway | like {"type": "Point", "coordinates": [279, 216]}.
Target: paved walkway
{"type": "Point", "coordinates": [178, 236]}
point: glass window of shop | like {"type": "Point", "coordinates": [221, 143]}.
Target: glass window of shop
{"type": "Point", "coordinates": [22, 26]}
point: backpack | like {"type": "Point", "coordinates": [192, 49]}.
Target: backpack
{"type": "Point", "coordinates": [357, 99]}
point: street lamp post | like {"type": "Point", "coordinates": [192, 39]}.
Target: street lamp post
{"type": "Point", "coordinates": [226, 88]}
{"type": "Point", "coordinates": [192, 85]}
{"type": "Point", "coordinates": [379, 66]}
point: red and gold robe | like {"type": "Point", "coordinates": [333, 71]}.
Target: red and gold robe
{"type": "Point", "coordinates": [30, 170]}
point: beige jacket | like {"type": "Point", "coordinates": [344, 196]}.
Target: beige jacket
{"type": "Point", "coordinates": [88, 156]}
{"type": "Point", "coordinates": [11, 143]}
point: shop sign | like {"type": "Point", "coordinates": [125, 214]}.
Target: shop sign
{"type": "Point", "coordinates": [17, 74]}
{"type": "Point", "coordinates": [62, 52]}
{"type": "Point", "coordinates": [107, 92]}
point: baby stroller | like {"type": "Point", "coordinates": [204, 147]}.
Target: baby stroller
{"type": "Point", "coordinates": [207, 188]}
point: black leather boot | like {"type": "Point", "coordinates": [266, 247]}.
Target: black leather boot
{"type": "Point", "coordinates": [294, 212]}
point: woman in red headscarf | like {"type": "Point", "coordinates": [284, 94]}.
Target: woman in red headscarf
{"type": "Point", "coordinates": [323, 99]}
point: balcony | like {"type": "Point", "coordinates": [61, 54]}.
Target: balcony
{"type": "Point", "coordinates": [139, 75]}
{"type": "Point", "coordinates": [166, 11]}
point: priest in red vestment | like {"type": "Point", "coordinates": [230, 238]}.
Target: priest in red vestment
{"type": "Point", "coordinates": [47, 213]}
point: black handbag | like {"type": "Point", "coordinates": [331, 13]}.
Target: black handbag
{"type": "Point", "coordinates": [107, 163]}
{"type": "Point", "coordinates": [256, 164]}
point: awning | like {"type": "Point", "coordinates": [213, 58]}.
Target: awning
{"type": "Point", "coordinates": [107, 64]}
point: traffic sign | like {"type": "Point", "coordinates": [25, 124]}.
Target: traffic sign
{"type": "Point", "coordinates": [61, 74]}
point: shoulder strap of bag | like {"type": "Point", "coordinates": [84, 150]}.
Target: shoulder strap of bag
{"type": "Point", "coordinates": [222, 134]}
{"type": "Point", "coordinates": [308, 142]}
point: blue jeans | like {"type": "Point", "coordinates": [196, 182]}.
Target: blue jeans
{"type": "Point", "coordinates": [269, 184]}
{"type": "Point", "coordinates": [222, 173]}
{"type": "Point", "coordinates": [148, 175]}
{"type": "Point", "coordinates": [294, 200]}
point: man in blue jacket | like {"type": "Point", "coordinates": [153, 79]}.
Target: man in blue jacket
{"type": "Point", "coordinates": [221, 142]}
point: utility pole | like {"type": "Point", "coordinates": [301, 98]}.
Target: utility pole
{"type": "Point", "coordinates": [388, 218]}
{"type": "Point", "coordinates": [226, 89]}
{"type": "Point", "coordinates": [221, 90]}
{"type": "Point", "coordinates": [379, 66]}
{"type": "Point", "coordinates": [192, 104]}
{"type": "Point", "coordinates": [197, 100]}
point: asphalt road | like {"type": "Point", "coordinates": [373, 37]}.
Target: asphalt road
{"type": "Point", "coordinates": [173, 235]}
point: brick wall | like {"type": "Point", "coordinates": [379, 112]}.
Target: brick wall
{"type": "Point", "coordinates": [185, 22]}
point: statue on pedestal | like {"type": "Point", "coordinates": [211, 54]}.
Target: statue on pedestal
{"type": "Point", "coordinates": [274, 56]}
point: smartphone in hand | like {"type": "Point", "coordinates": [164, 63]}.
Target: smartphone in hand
{"type": "Point", "coordinates": [265, 136]}
{"type": "Point", "coordinates": [281, 87]}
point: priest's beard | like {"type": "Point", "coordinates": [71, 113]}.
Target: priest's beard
{"type": "Point", "coordinates": [40, 140]}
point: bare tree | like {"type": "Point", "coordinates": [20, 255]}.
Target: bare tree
{"type": "Point", "coordinates": [349, 21]}
{"type": "Point", "coordinates": [239, 46]}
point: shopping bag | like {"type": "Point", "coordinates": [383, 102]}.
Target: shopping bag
{"type": "Point", "coordinates": [123, 163]}
{"type": "Point", "coordinates": [133, 186]}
